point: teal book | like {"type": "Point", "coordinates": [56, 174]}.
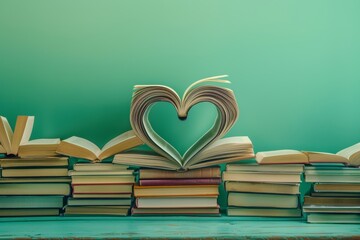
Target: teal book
{"type": "Point", "coordinates": [31, 201]}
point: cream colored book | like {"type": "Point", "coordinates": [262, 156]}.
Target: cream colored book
{"type": "Point", "coordinates": [262, 200]}
{"type": "Point", "coordinates": [35, 189]}
{"type": "Point", "coordinates": [19, 143]}
{"type": "Point", "coordinates": [39, 147]}
{"type": "Point", "coordinates": [35, 172]}
{"type": "Point", "coordinates": [349, 156]}
{"type": "Point", "coordinates": [11, 140]}
{"type": "Point", "coordinates": [82, 148]}
{"type": "Point", "coordinates": [210, 149]}
{"type": "Point", "coordinates": [281, 157]}
{"type": "Point", "coordinates": [260, 187]}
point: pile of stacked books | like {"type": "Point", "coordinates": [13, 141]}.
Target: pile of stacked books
{"type": "Point", "coordinates": [33, 186]}
{"type": "Point", "coordinates": [335, 194]}
{"type": "Point", "coordinates": [257, 190]}
{"type": "Point", "coordinates": [100, 189]}
{"type": "Point", "coordinates": [161, 192]}
{"type": "Point", "coordinates": [36, 183]}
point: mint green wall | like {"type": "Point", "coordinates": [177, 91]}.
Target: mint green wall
{"type": "Point", "coordinates": [295, 66]}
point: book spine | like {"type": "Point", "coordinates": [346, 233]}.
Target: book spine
{"type": "Point", "coordinates": [172, 182]}
{"type": "Point", "coordinates": [197, 173]}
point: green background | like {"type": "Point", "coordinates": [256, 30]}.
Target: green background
{"type": "Point", "coordinates": [294, 67]}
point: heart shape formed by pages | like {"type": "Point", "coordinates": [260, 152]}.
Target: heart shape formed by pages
{"type": "Point", "coordinates": [145, 96]}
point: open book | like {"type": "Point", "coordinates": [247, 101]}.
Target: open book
{"type": "Point", "coordinates": [206, 151]}
{"type": "Point", "coordinates": [347, 156]}
{"type": "Point", "coordinates": [82, 148]}
{"type": "Point", "coordinates": [18, 143]}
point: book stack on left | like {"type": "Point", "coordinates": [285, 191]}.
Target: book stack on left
{"type": "Point", "coordinates": [99, 187]}
{"type": "Point", "coordinates": [34, 178]}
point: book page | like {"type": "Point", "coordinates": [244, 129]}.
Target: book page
{"type": "Point", "coordinates": [22, 132]}
{"type": "Point", "coordinates": [43, 141]}
{"type": "Point", "coordinates": [324, 157]}
{"type": "Point", "coordinates": [79, 147]}
{"type": "Point", "coordinates": [6, 134]}
{"type": "Point", "coordinates": [120, 143]}
{"type": "Point", "coordinates": [352, 153]}
{"type": "Point", "coordinates": [2, 149]}
{"type": "Point", "coordinates": [281, 157]}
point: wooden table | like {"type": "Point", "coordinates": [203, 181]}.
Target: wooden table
{"type": "Point", "coordinates": [171, 227]}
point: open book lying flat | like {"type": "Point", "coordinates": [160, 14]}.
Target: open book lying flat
{"type": "Point", "coordinates": [18, 143]}
{"type": "Point", "coordinates": [222, 151]}
{"type": "Point", "coordinates": [199, 154]}
{"type": "Point", "coordinates": [82, 148]}
{"type": "Point", "coordinates": [347, 156]}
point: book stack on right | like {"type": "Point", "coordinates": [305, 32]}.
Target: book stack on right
{"type": "Point", "coordinates": [335, 191]}
{"type": "Point", "coordinates": [161, 192]}
{"type": "Point", "coordinates": [267, 187]}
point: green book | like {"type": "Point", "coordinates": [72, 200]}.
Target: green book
{"type": "Point", "coordinates": [31, 201]}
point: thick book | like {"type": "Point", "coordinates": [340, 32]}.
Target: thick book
{"type": "Point", "coordinates": [331, 209]}
{"type": "Point", "coordinates": [99, 167]}
{"type": "Point", "coordinates": [29, 212]}
{"type": "Point", "coordinates": [102, 189]}
{"type": "Point", "coordinates": [337, 187]}
{"type": "Point", "coordinates": [34, 189]}
{"type": "Point", "coordinates": [335, 194]}
{"type": "Point", "coordinates": [261, 177]}
{"type": "Point", "coordinates": [210, 172]}
{"type": "Point", "coordinates": [31, 201]}
{"type": "Point", "coordinates": [13, 141]}
{"type": "Point", "coordinates": [176, 182]}
{"type": "Point", "coordinates": [35, 172]}
{"type": "Point", "coordinates": [96, 210]}
{"type": "Point", "coordinates": [333, 218]}
{"type": "Point", "coordinates": [99, 202]}
{"type": "Point", "coordinates": [102, 196]}
{"type": "Point", "coordinates": [209, 150]}
{"type": "Point", "coordinates": [176, 202]}
{"type": "Point", "coordinates": [35, 180]}
{"type": "Point", "coordinates": [82, 148]}
{"type": "Point", "coordinates": [332, 178]}
{"type": "Point", "coordinates": [332, 201]}
{"type": "Point", "coordinates": [39, 147]}
{"type": "Point", "coordinates": [109, 179]}
{"type": "Point", "coordinates": [263, 200]}
{"type": "Point", "coordinates": [264, 212]}
{"type": "Point", "coordinates": [175, 211]}
{"type": "Point", "coordinates": [122, 172]}
{"type": "Point", "coordinates": [34, 162]}
{"type": "Point", "coordinates": [348, 156]}
{"type": "Point", "coordinates": [286, 156]}
{"type": "Point", "coordinates": [254, 167]}
{"type": "Point", "coordinates": [259, 187]}
{"type": "Point", "coordinates": [176, 191]}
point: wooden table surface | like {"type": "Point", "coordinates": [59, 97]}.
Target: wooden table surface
{"type": "Point", "coordinates": [170, 227]}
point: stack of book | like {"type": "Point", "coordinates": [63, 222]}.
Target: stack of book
{"type": "Point", "coordinates": [34, 178]}
{"type": "Point", "coordinates": [161, 192]}
{"type": "Point", "coordinates": [100, 189]}
{"type": "Point", "coordinates": [335, 194]}
{"type": "Point", "coordinates": [33, 186]}
{"type": "Point", "coordinates": [256, 190]}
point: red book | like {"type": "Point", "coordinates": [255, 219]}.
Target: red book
{"type": "Point", "coordinates": [186, 181]}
